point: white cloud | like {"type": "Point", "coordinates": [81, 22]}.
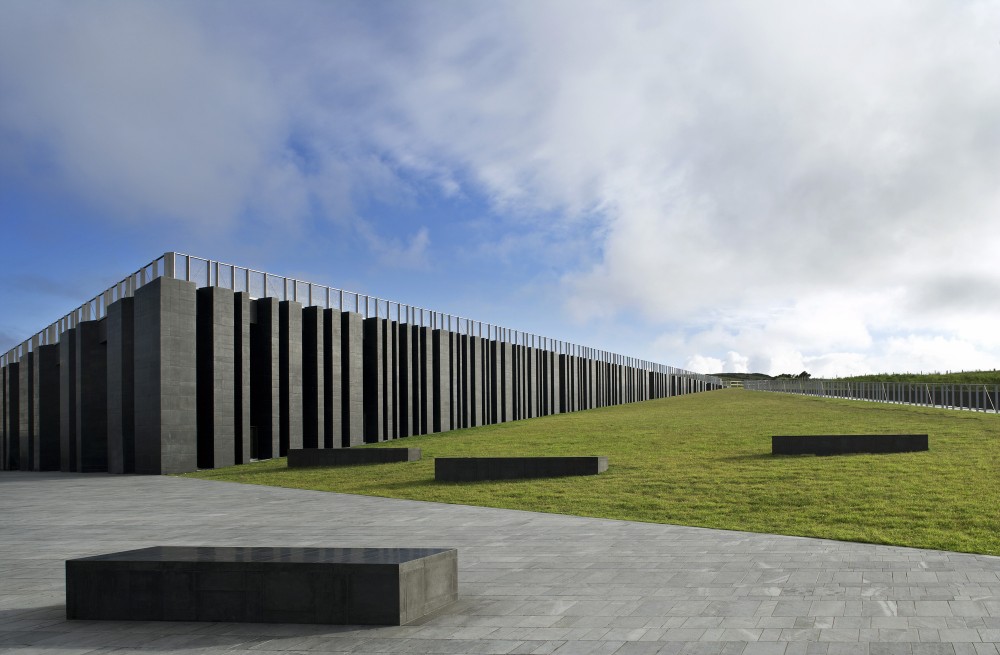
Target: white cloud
{"type": "Point", "coordinates": [771, 186]}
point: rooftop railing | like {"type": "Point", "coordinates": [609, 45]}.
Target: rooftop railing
{"type": "Point", "coordinates": [260, 284]}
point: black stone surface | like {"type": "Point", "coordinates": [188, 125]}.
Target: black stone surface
{"type": "Point", "coordinates": [467, 469]}
{"type": "Point", "coordinates": [841, 444]}
{"type": "Point", "coordinates": [303, 457]}
{"type": "Point", "coordinates": [360, 586]}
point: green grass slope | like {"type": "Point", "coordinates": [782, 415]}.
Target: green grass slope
{"type": "Point", "coordinates": [704, 460]}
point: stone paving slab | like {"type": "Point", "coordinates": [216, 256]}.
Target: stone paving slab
{"type": "Point", "coordinates": [528, 582]}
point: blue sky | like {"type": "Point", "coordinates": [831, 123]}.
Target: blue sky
{"type": "Point", "coordinates": [762, 186]}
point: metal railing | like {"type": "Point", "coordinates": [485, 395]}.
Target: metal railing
{"type": "Point", "coordinates": [260, 284]}
{"type": "Point", "coordinates": [973, 397]}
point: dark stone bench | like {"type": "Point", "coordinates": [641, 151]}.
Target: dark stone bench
{"type": "Point", "coordinates": [301, 457]}
{"type": "Point", "coordinates": [467, 469]}
{"type": "Point", "coordinates": [355, 586]}
{"type": "Point", "coordinates": [840, 444]}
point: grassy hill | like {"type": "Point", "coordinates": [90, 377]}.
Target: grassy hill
{"type": "Point", "coordinates": [705, 460]}
{"type": "Point", "coordinates": [957, 377]}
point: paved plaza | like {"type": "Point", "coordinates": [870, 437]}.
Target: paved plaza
{"type": "Point", "coordinates": [528, 583]}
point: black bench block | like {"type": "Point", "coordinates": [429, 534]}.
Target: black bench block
{"type": "Point", "coordinates": [355, 586]}
{"type": "Point", "coordinates": [840, 444]}
{"type": "Point", "coordinates": [300, 457]}
{"type": "Point", "coordinates": [468, 469]}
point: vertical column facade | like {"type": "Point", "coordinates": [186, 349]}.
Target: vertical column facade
{"type": "Point", "coordinates": [67, 400]}
{"type": "Point", "coordinates": [332, 400]}
{"type": "Point", "coordinates": [290, 377]}
{"type": "Point", "coordinates": [26, 412]}
{"type": "Point", "coordinates": [265, 389]}
{"type": "Point", "coordinates": [121, 386]}
{"type": "Point", "coordinates": [166, 419]}
{"type": "Point", "coordinates": [313, 377]}
{"type": "Point", "coordinates": [241, 372]}
{"type": "Point", "coordinates": [352, 379]}
{"type": "Point", "coordinates": [92, 398]}
{"type": "Point", "coordinates": [216, 377]}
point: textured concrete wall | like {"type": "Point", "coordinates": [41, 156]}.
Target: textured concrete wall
{"type": "Point", "coordinates": [91, 398]}
{"type": "Point", "coordinates": [216, 377]}
{"type": "Point", "coordinates": [211, 377]}
{"type": "Point", "coordinates": [46, 455]}
{"type": "Point", "coordinates": [166, 417]}
{"type": "Point", "coordinates": [121, 386]}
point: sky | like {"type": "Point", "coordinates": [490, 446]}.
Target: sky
{"type": "Point", "coordinates": [720, 186]}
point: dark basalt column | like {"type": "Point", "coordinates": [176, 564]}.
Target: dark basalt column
{"type": "Point", "coordinates": [290, 375]}
{"type": "Point", "coordinates": [352, 379]}
{"type": "Point", "coordinates": [265, 387]}
{"type": "Point", "coordinates": [216, 378]}
{"type": "Point", "coordinates": [121, 386]}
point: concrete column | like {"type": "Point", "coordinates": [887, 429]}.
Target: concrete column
{"type": "Point", "coordinates": [374, 379]}
{"type": "Point", "coordinates": [91, 398]}
{"type": "Point", "coordinates": [405, 389]}
{"type": "Point", "coordinates": [290, 376]}
{"type": "Point", "coordinates": [166, 416]}
{"type": "Point", "coordinates": [391, 331]}
{"type": "Point", "coordinates": [26, 412]}
{"type": "Point", "coordinates": [67, 400]}
{"type": "Point", "coordinates": [216, 377]}
{"type": "Point", "coordinates": [13, 415]}
{"type": "Point", "coordinates": [476, 380]}
{"type": "Point", "coordinates": [121, 386]}
{"type": "Point", "coordinates": [265, 388]}
{"type": "Point", "coordinates": [241, 372]}
{"type": "Point", "coordinates": [352, 379]}
{"type": "Point", "coordinates": [441, 380]}
{"type": "Point", "coordinates": [506, 380]}
{"type": "Point", "coordinates": [427, 385]}
{"type": "Point", "coordinates": [4, 459]}
{"type": "Point", "coordinates": [313, 377]}
{"type": "Point", "coordinates": [333, 404]}
{"type": "Point", "coordinates": [486, 375]}
{"type": "Point", "coordinates": [416, 375]}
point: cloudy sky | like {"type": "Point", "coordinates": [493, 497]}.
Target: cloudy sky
{"type": "Point", "coordinates": [721, 186]}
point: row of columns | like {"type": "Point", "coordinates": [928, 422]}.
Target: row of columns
{"type": "Point", "coordinates": [178, 378]}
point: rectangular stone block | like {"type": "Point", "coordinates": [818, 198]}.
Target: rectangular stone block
{"type": "Point", "coordinates": [468, 469]}
{"type": "Point", "coordinates": [216, 378]}
{"type": "Point", "coordinates": [305, 457]}
{"type": "Point", "coordinates": [841, 444]}
{"type": "Point", "coordinates": [265, 388]}
{"type": "Point", "coordinates": [290, 363]}
{"type": "Point", "coordinates": [350, 586]}
{"type": "Point", "coordinates": [406, 377]}
{"type": "Point", "coordinates": [121, 386]}
{"type": "Point", "coordinates": [91, 398]}
{"type": "Point", "coordinates": [166, 417]}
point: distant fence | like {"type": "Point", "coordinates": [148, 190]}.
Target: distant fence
{"type": "Point", "coordinates": [973, 397]}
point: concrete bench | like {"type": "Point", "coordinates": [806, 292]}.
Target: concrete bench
{"type": "Point", "coordinates": [467, 469]}
{"type": "Point", "coordinates": [347, 586]}
{"type": "Point", "coordinates": [840, 444]}
{"type": "Point", "coordinates": [302, 457]}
